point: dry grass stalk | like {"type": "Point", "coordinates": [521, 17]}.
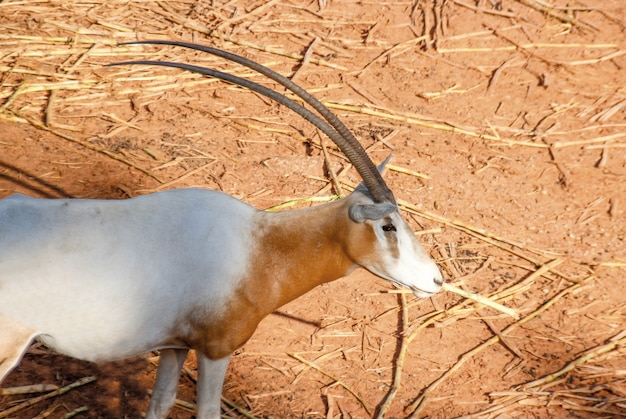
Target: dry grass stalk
{"type": "Point", "coordinates": [613, 264]}
{"type": "Point", "coordinates": [607, 114]}
{"type": "Point", "coordinates": [33, 388]}
{"type": "Point", "coordinates": [603, 139]}
{"type": "Point", "coordinates": [306, 58]}
{"type": "Point", "coordinates": [76, 412]}
{"type": "Point", "coordinates": [406, 171]}
{"type": "Point", "coordinates": [527, 47]}
{"type": "Point", "coordinates": [591, 61]}
{"type": "Point", "coordinates": [503, 339]}
{"type": "Point", "coordinates": [482, 300]}
{"type": "Point", "coordinates": [35, 400]}
{"type": "Point", "coordinates": [403, 346]}
{"type": "Point", "coordinates": [298, 201]}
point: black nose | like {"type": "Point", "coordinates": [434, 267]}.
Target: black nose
{"type": "Point", "coordinates": [438, 281]}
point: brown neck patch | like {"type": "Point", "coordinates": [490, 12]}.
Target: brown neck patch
{"type": "Point", "coordinates": [295, 251]}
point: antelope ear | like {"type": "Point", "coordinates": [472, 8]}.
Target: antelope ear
{"type": "Point", "coordinates": [381, 167]}
{"type": "Point", "coordinates": [381, 170]}
{"type": "Point", "coordinates": [364, 212]}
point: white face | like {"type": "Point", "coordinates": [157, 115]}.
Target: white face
{"type": "Point", "coordinates": [401, 259]}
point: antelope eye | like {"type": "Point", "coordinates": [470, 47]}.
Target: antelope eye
{"type": "Point", "coordinates": [389, 227]}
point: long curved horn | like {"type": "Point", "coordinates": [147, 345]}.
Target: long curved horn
{"type": "Point", "coordinates": [348, 144]}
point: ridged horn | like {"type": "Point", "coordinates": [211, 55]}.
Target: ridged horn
{"type": "Point", "coordinates": [345, 140]}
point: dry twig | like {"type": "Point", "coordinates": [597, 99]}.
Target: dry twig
{"type": "Point", "coordinates": [55, 393]}
{"type": "Point", "coordinates": [399, 361]}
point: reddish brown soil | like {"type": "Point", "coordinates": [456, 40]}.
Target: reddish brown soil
{"type": "Point", "coordinates": [516, 116]}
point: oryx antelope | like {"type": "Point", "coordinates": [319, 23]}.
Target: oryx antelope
{"type": "Point", "coordinates": [188, 269]}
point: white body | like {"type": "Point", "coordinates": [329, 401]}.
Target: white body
{"type": "Point", "coordinates": [191, 268]}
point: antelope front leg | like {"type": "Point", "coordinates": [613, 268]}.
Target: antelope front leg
{"type": "Point", "coordinates": [168, 373]}
{"type": "Point", "coordinates": [209, 386]}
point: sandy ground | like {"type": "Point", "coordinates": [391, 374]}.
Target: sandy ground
{"type": "Point", "coordinates": [507, 126]}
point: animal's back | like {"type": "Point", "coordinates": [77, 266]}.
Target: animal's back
{"type": "Point", "coordinates": [109, 279]}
